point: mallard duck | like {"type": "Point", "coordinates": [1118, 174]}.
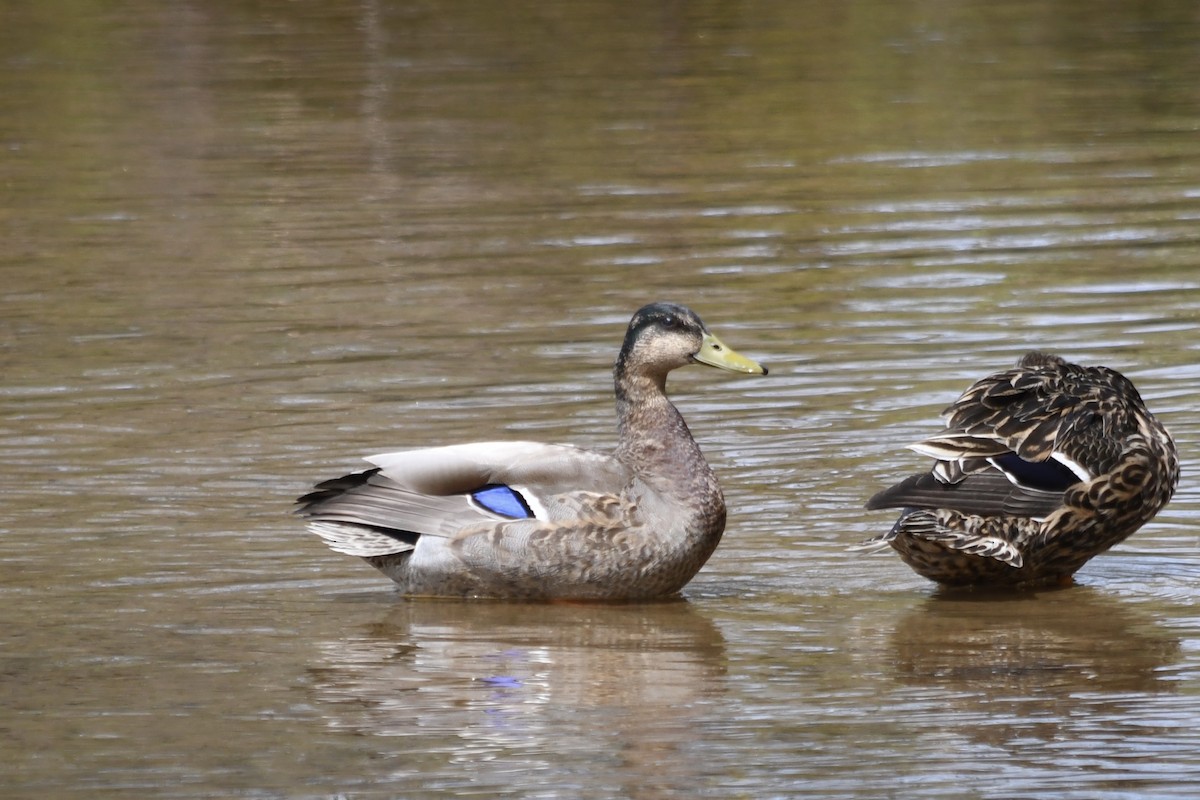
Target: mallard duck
{"type": "Point", "coordinates": [529, 520]}
{"type": "Point", "coordinates": [1039, 469]}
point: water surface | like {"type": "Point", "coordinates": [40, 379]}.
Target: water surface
{"type": "Point", "coordinates": [248, 243]}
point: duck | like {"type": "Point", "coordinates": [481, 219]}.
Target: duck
{"type": "Point", "coordinates": [535, 521]}
{"type": "Point", "coordinates": [1039, 468]}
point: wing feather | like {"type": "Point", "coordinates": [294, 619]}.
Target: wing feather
{"type": "Point", "coordinates": [426, 492]}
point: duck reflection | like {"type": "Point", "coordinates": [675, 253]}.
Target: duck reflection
{"type": "Point", "coordinates": [514, 688]}
{"type": "Point", "coordinates": [1044, 665]}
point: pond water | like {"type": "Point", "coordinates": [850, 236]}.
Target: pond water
{"type": "Point", "coordinates": [248, 243]}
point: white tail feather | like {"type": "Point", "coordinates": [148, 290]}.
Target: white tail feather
{"type": "Point", "coordinates": [354, 540]}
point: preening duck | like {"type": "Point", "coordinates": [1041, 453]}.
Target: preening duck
{"type": "Point", "coordinates": [1039, 469]}
{"type": "Point", "coordinates": [531, 520]}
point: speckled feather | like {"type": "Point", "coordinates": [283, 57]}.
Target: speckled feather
{"type": "Point", "coordinates": [1040, 468]}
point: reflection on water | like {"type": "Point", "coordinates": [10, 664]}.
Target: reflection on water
{"type": "Point", "coordinates": [1013, 693]}
{"type": "Point", "coordinates": [1025, 660]}
{"type": "Point", "coordinates": [508, 696]}
{"type": "Point", "coordinates": [246, 242]}
{"type": "Point", "coordinates": [998, 641]}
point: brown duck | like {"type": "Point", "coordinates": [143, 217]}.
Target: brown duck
{"type": "Point", "coordinates": [1039, 469]}
{"type": "Point", "coordinates": [530, 520]}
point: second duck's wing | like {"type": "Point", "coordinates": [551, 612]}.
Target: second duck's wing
{"type": "Point", "coordinates": [1018, 439]}
{"type": "Point", "coordinates": [986, 493]}
{"type": "Point", "coordinates": [1049, 409]}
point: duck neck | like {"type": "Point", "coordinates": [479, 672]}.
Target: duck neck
{"type": "Point", "coordinates": [654, 439]}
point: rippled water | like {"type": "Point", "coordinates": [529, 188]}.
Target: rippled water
{"type": "Point", "coordinates": [249, 243]}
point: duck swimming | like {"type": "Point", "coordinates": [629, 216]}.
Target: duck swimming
{"type": "Point", "coordinates": [1039, 469]}
{"type": "Point", "coordinates": [548, 521]}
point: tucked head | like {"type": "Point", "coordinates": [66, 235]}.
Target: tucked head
{"type": "Point", "coordinates": [664, 336]}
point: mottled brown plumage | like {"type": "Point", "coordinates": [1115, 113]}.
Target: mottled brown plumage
{"type": "Point", "coordinates": [1040, 468]}
{"type": "Point", "coordinates": [530, 520]}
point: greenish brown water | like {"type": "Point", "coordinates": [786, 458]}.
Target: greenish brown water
{"type": "Point", "coordinates": [247, 243]}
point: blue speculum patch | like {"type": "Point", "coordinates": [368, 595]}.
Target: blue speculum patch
{"type": "Point", "coordinates": [502, 500]}
{"type": "Point", "coordinates": [1048, 475]}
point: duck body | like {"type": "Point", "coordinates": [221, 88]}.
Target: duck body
{"type": "Point", "coordinates": [546, 521]}
{"type": "Point", "coordinates": [1039, 469]}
